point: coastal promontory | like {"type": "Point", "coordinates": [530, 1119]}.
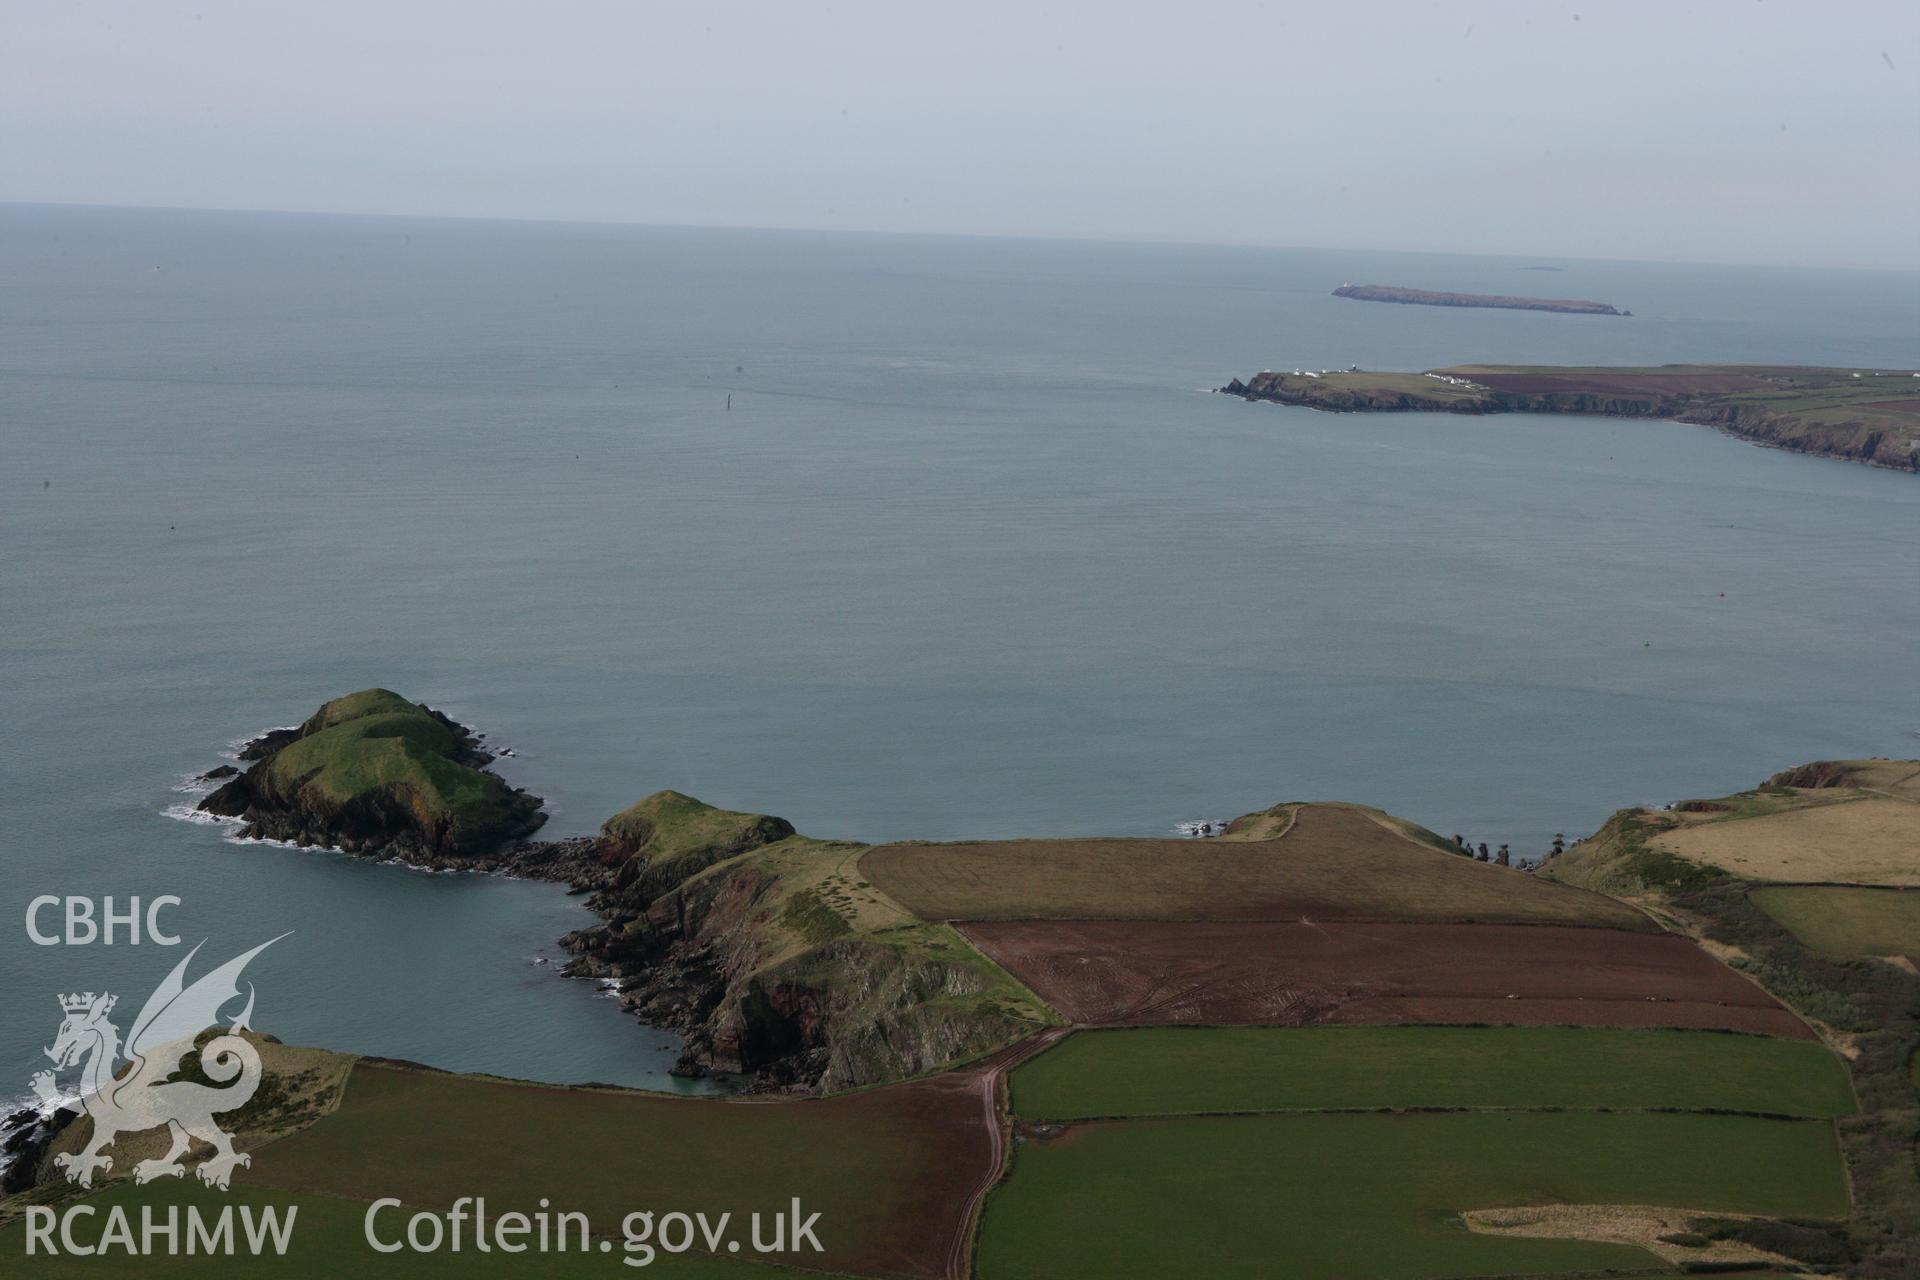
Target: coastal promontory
{"type": "Point", "coordinates": [771, 952]}
{"type": "Point", "coordinates": [1862, 415]}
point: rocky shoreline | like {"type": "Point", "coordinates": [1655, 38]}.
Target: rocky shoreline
{"type": "Point", "coordinates": [689, 953]}
{"type": "Point", "coordinates": [665, 983]}
{"type": "Point", "coordinates": [730, 929]}
{"type": "Point", "coordinates": [26, 1135]}
{"type": "Point", "coordinates": [667, 973]}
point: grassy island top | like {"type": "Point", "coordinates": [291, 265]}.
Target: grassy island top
{"type": "Point", "coordinates": [395, 748]}
{"type": "Point", "coordinates": [372, 765]}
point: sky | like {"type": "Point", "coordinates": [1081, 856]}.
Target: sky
{"type": "Point", "coordinates": [1772, 131]}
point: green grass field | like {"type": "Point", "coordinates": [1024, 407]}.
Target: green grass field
{"type": "Point", "coordinates": [406, 749]}
{"type": "Point", "coordinates": [1375, 1195]}
{"type": "Point", "coordinates": [887, 1169]}
{"type": "Point", "coordinates": [1191, 1070]}
{"type": "Point", "coordinates": [1847, 922]}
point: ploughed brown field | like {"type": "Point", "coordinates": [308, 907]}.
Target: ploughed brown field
{"type": "Point", "coordinates": [1134, 973]}
{"type": "Point", "coordinates": [1332, 862]}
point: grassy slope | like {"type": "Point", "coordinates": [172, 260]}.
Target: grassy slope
{"type": "Point", "coordinates": [903, 992]}
{"type": "Point", "coordinates": [815, 893]}
{"type": "Point", "coordinates": [1620, 859]}
{"type": "Point", "coordinates": [1373, 1195]}
{"type": "Point", "coordinates": [376, 740]}
{"type": "Point", "coordinates": [398, 748]}
{"type": "Point", "coordinates": [367, 702]}
{"type": "Point", "coordinates": [1334, 862]}
{"type": "Point", "coordinates": [1170, 1071]}
{"type": "Point", "coordinates": [1846, 838]}
{"type": "Point", "coordinates": [1847, 922]}
{"type": "Point", "coordinates": [1646, 850]}
{"type": "Point", "coordinates": [1882, 777]}
{"type": "Point", "coordinates": [673, 836]}
{"type": "Point", "coordinates": [298, 1087]}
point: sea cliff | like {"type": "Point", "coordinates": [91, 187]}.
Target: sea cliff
{"type": "Point", "coordinates": [765, 949]}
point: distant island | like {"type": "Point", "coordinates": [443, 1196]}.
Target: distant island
{"type": "Point", "coordinates": [1862, 415]}
{"type": "Point", "coordinates": [1429, 298]}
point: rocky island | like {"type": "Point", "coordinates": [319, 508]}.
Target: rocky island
{"type": "Point", "coordinates": [1862, 415]}
{"type": "Point", "coordinates": [374, 773]}
{"type": "Point", "coordinates": [1430, 298]}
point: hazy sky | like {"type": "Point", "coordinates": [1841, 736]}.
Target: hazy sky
{"type": "Point", "coordinates": [1733, 130]}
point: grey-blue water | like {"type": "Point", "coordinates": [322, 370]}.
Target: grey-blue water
{"type": "Point", "coordinates": [972, 554]}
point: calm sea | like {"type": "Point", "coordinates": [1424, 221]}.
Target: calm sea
{"type": "Point", "coordinates": [973, 553]}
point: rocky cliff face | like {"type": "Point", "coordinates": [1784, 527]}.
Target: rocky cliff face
{"type": "Point", "coordinates": [714, 926]}
{"type": "Point", "coordinates": [862, 1012]}
{"type": "Point", "coordinates": [1851, 441]}
{"type": "Point", "coordinates": [847, 1012]}
{"type": "Point", "coordinates": [1337, 398]}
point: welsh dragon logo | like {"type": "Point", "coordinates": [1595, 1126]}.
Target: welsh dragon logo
{"type": "Point", "coordinates": [141, 1096]}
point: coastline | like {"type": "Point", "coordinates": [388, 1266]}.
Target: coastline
{"type": "Point", "coordinates": [774, 972]}
{"type": "Point", "coordinates": [688, 953]}
{"type": "Point", "coordinates": [1862, 416]}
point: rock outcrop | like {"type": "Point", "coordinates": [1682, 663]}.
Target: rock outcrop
{"type": "Point", "coordinates": [731, 929]}
{"type": "Point", "coordinates": [373, 773]}
{"type": "Point", "coordinates": [761, 946]}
